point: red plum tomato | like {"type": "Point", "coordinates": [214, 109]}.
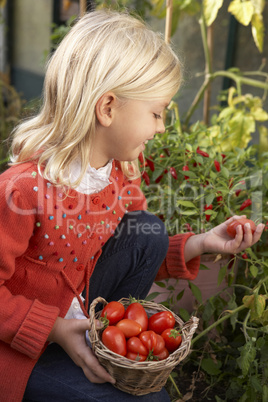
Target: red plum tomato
{"type": "Point", "coordinates": [136, 356]}
{"type": "Point", "coordinates": [114, 339]}
{"type": "Point", "coordinates": [135, 345]}
{"type": "Point", "coordinates": [136, 312]}
{"type": "Point", "coordinates": [231, 228]}
{"type": "Point", "coordinates": [158, 322]}
{"type": "Point", "coordinates": [149, 339]}
{"type": "Point", "coordinates": [162, 355]}
{"type": "Point", "coordinates": [160, 345]}
{"type": "Point", "coordinates": [113, 311]}
{"type": "Point", "coordinates": [129, 327]}
{"type": "Point", "coordinates": [172, 339]}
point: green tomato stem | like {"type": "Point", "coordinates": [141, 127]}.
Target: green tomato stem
{"type": "Point", "coordinates": [175, 386]}
{"type": "Point", "coordinates": [216, 323]}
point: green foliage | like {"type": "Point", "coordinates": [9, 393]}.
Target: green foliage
{"type": "Point", "coordinates": [179, 197]}
{"type": "Point", "coordinates": [10, 109]}
{"type": "Point", "coordinates": [135, 7]}
{"type": "Point", "coordinates": [60, 31]}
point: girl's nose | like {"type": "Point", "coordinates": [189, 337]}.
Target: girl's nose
{"type": "Point", "coordinates": [161, 127]}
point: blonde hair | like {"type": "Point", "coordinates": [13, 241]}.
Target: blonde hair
{"type": "Point", "coordinates": [104, 51]}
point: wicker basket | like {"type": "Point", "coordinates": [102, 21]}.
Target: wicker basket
{"type": "Point", "coordinates": [140, 378]}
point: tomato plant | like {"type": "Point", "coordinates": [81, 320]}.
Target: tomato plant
{"type": "Point", "coordinates": [114, 339]}
{"type": "Point", "coordinates": [113, 311]}
{"type": "Point", "coordinates": [129, 327]}
{"type": "Point", "coordinates": [231, 228]}
{"type": "Point", "coordinates": [136, 312]}
{"type": "Point", "coordinates": [135, 345]}
{"type": "Point", "coordinates": [172, 339]}
{"type": "Point", "coordinates": [160, 321]}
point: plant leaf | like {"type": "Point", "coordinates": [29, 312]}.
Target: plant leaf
{"type": "Point", "coordinates": [248, 353]}
{"type": "Point", "coordinates": [180, 295]}
{"type": "Point", "coordinates": [257, 28]}
{"type": "Point", "coordinates": [203, 267]}
{"type": "Point", "coordinates": [242, 10]}
{"type": "Point", "coordinates": [196, 292]}
{"type": "Point", "coordinates": [161, 284]}
{"type": "Point", "coordinates": [225, 172]}
{"type": "Point", "coordinates": [209, 199]}
{"type": "Point", "coordinates": [152, 296]}
{"type": "Point", "coordinates": [258, 5]}
{"type": "Point", "coordinates": [259, 304]}
{"type": "Point", "coordinates": [184, 314]}
{"type": "Point", "coordinates": [188, 204]}
{"type": "Point", "coordinates": [210, 366]}
{"type": "Point", "coordinates": [211, 8]}
{"type": "Point", "coordinates": [254, 270]}
{"type": "Point", "coordinates": [188, 212]}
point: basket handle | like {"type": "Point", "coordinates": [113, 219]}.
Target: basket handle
{"type": "Point", "coordinates": [93, 305]}
{"type": "Point", "coordinates": [190, 327]}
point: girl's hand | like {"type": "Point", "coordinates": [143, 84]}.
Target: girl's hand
{"type": "Point", "coordinates": [217, 240]}
{"type": "Point", "coordinates": [70, 335]}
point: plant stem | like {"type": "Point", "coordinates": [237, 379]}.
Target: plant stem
{"type": "Point", "coordinates": [216, 323]}
{"type": "Point", "coordinates": [242, 287]}
{"type": "Point", "coordinates": [245, 326]}
{"type": "Point", "coordinates": [169, 10]}
{"type": "Point", "coordinates": [207, 40]}
{"type": "Point", "coordinates": [196, 101]}
{"type": "Point", "coordinates": [83, 7]}
{"type": "Point", "coordinates": [262, 281]}
{"type": "Point", "coordinates": [239, 80]}
{"type": "Point", "coordinates": [175, 385]}
{"type": "Point", "coordinates": [205, 44]}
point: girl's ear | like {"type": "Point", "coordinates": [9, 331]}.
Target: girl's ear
{"type": "Point", "coordinates": [105, 108]}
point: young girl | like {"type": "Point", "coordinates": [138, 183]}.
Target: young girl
{"type": "Point", "coordinates": [72, 216]}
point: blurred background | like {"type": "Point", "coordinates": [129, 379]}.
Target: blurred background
{"type": "Point", "coordinates": [27, 25]}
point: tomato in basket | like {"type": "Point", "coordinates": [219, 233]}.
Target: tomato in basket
{"type": "Point", "coordinates": [114, 339]}
{"type": "Point", "coordinates": [149, 339]}
{"type": "Point", "coordinates": [136, 312]}
{"type": "Point", "coordinates": [160, 345]}
{"type": "Point", "coordinates": [231, 228]}
{"type": "Point", "coordinates": [135, 345]}
{"type": "Point", "coordinates": [136, 356]}
{"type": "Point", "coordinates": [172, 339]}
{"type": "Point", "coordinates": [162, 355]}
{"type": "Point", "coordinates": [129, 327]}
{"type": "Point", "coordinates": [113, 311]}
{"type": "Point", "coordinates": [158, 322]}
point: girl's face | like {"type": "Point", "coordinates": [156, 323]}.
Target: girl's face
{"type": "Point", "coordinates": [133, 124]}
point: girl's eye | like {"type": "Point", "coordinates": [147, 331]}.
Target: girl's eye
{"type": "Point", "coordinates": [157, 116]}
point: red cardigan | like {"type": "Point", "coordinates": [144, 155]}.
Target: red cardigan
{"type": "Point", "coordinates": [50, 242]}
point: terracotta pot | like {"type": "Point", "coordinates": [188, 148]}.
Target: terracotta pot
{"type": "Point", "coordinates": [206, 281]}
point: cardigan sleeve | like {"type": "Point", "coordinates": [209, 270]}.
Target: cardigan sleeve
{"type": "Point", "coordinates": [174, 265]}
{"type": "Point", "coordinates": [25, 324]}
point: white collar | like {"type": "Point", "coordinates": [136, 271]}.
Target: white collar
{"type": "Point", "coordinates": [94, 180]}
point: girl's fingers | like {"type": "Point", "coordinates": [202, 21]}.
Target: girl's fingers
{"type": "Point", "coordinates": [247, 235]}
{"type": "Point", "coordinates": [258, 232]}
{"type": "Point", "coordinates": [248, 239]}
